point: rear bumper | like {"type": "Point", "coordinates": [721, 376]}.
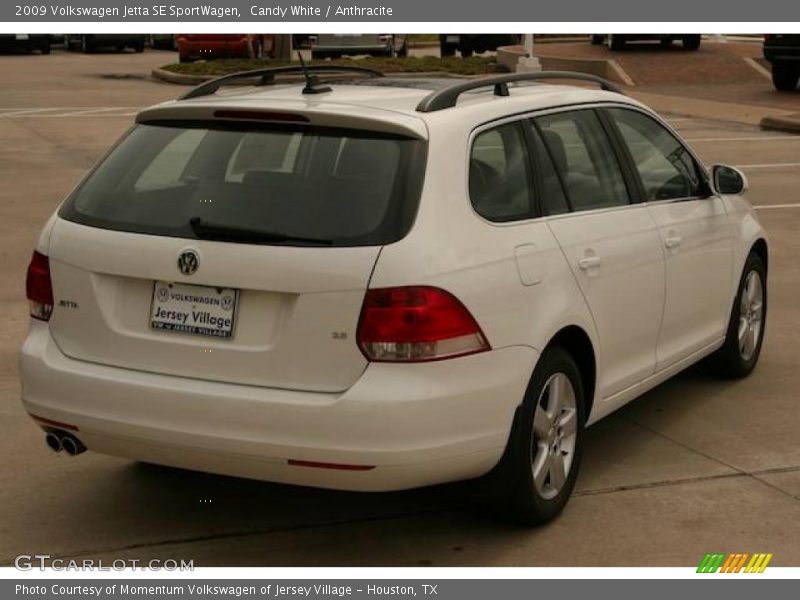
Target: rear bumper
{"type": "Point", "coordinates": [415, 425]}
{"type": "Point", "coordinates": [115, 39]}
{"type": "Point", "coordinates": [31, 42]}
{"type": "Point", "coordinates": [782, 53]}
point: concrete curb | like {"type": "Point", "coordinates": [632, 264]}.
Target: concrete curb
{"type": "Point", "coordinates": [185, 79]}
{"type": "Point", "coordinates": [179, 78]}
{"type": "Point", "coordinates": [787, 123]}
{"type": "Point", "coordinates": [606, 67]}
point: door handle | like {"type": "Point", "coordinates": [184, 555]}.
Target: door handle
{"type": "Point", "coordinates": [673, 241]}
{"type": "Point", "coordinates": [588, 262]}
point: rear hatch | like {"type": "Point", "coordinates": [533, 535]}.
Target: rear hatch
{"type": "Point", "coordinates": [231, 251]}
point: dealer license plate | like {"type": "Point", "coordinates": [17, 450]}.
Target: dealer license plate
{"type": "Point", "coordinates": [194, 309]}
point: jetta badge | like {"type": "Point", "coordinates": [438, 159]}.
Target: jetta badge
{"type": "Point", "coordinates": [188, 262]}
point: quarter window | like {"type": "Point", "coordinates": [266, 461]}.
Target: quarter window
{"type": "Point", "coordinates": [584, 159]}
{"type": "Point", "coordinates": [665, 166]}
{"type": "Point", "coordinates": [499, 178]}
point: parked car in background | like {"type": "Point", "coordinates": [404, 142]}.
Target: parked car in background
{"type": "Point", "coordinates": [205, 46]}
{"type": "Point", "coordinates": [301, 40]}
{"type": "Point", "coordinates": [27, 42]}
{"type": "Point", "coordinates": [391, 284]}
{"type": "Point", "coordinates": [469, 44]}
{"type": "Point", "coordinates": [782, 50]}
{"type": "Point", "coordinates": [618, 41]}
{"type": "Point", "coordinates": [163, 41]}
{"type": "Point", "coordinates": [334, 45]}
{"type": "Point", "coordinates": [91, 42]}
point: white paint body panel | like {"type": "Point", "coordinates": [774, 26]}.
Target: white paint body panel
{"type": "Point", "coordinates": [624, 291]}
{"type": "Point", "coordinates": [698, 243]}
{"type": "Point", "coordinates": [291, 300]}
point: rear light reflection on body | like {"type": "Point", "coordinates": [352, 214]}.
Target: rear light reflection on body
{"type": "Point", "coordinates": [416, 323]}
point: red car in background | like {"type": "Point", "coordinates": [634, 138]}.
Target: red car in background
{"type": "Point", "coordinates": [207, 46]}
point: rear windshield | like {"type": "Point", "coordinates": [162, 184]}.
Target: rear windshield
{"type": "Point", "coordinates": [299, 186]}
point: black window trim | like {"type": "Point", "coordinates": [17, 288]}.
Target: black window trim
{"type": "Point", "coordinates": [636, 190]}
{"type": "Point", "coordinates": [534, 130]}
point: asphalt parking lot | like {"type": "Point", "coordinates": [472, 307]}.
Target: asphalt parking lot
{"type": "Point", "coordinates": [695, 466]}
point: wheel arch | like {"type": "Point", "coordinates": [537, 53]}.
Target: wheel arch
{"type": "Point", "coordinates": [761, 249]}
{"type": "Point", "coordinates": [577, 342]}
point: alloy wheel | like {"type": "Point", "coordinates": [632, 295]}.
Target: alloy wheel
{"type": "Point", "coordinates": [751, 310]}
{"type": "Point", "coordinates": [555, 428]}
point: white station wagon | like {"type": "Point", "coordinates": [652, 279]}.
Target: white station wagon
{"type": "Point", "coordinates": [379, 284]}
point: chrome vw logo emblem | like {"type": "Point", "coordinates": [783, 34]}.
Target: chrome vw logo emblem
{"type": "Point", "coordinates": [188, 262]}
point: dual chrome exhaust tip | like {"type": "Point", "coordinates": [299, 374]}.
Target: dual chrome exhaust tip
{"type": "Point", "coordinates": [58, 440]}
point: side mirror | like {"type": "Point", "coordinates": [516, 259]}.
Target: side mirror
{"type": "Point", "coordinates": [729, 180]}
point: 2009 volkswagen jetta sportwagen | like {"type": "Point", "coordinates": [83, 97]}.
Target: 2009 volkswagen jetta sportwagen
{"type": "Point", "coordinates": [380, 284]}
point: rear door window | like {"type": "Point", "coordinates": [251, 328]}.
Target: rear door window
{"type": "Point", "coordinates": [584, 158]}
{"type": "Point", "coordinates": [332, 186]}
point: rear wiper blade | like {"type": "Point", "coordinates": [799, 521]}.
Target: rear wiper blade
{"type": "Point", "coordinates": [228, 233]}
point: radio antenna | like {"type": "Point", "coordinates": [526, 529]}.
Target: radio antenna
{"type": "Point", "coordinates": [313, 84]}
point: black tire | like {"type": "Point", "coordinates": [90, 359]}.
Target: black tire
{"type": "Point", "coordinates": [615, 42]}
{"type": "Point", "coordinates": [403, 51]}
{"type": "Point", "coordinates": [597, 39]}
{"type": "Point", "coordinates": [446, 50]}
{"type": "Point", "coordinates": [184, 58]}
{"type": "Point", "coordinates": [45, 48]}
{"type": "Point", "coordinates": [785, 76]}
{"type": "Point", "coordinates": [513, 478]}
{"type": "Point", "coordinates": [665, 42]}
{"type": "Point", "coordinates": [315, 55]}
{"type": "Point", "coordinates": [691, 42]}
{"type": "Point", "coordinates": [86, 45]}
{"type": "Point", "coordinates": [466, 49]}
{"type": "Point", "coordinates": [728, 361]}
{"type": "Point", "coordinates": [138, 47]}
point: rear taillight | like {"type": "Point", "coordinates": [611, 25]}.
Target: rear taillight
{"type": "Point", "coordinates": [417, 323]}
{"type": "Point", "coordinates": [39, 288]}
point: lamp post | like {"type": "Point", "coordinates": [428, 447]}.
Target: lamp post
{"type": "Point", "coordinates": [528, 63]}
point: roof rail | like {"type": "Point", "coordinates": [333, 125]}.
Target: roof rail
{"type": "Point", "coordinates": [267, 76]}
{"type": "Point", "coordinates": [448, 96]}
